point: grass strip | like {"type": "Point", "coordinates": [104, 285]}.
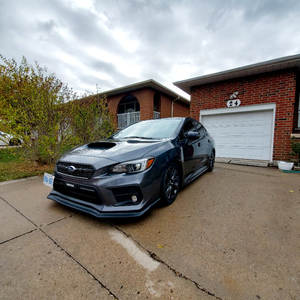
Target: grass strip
{"type": "Point", "coordinates": [12, 166]}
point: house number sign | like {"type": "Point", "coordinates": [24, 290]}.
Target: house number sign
{"type": "Point", "coordinates": [233, 101]}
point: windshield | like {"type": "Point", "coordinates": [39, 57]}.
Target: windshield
{"type": "Point", "coordinates": [157, 129]}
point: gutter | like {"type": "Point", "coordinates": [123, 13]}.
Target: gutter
{"type": "Point", "coordinates": [172, 107]}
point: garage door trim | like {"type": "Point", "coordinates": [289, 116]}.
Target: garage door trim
{"type": "Point", "coordinates": [246, 108]}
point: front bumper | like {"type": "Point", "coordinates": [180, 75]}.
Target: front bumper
{"type": "Point", "coordinates": [92, 210]}
{"type": "Point", "coordinates": [108, 196]}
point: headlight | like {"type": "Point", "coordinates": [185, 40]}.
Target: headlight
{"type": "Point", "coordinates": [133, 166]}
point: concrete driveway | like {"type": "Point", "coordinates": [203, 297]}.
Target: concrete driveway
{"type": "Point", "coordinates": [231, 234]}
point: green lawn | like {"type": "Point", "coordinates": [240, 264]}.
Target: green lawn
{"type": "Point", "coordinates": [14, 167]}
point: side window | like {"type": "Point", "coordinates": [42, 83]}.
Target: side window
{"type": "Point", "coordinates": [200, 128]}
{"type": "Point", "coordinates": [187, 127]}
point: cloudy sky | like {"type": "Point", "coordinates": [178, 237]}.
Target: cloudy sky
{"type": "Point", "coordinates": [112, 43]}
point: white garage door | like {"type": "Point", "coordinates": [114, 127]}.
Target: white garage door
{"type": "Point", "coordinates": [246, 135]}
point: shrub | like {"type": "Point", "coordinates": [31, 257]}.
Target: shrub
{"type": "Point", "coordinates": [46, 114]}
{"type": "Point", "coordinates": [296, 149]}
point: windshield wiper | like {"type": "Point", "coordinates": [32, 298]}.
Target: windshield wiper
{"type": "Point", "coordinates": [137, 137]}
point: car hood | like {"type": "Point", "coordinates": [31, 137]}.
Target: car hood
{"type": "Point", "coordinates": [111, 151]}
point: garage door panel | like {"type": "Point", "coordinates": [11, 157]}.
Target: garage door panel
{"type": "Point", "coordinates": [258, 116]}
{"type": "Point", "coordinates": [224, 152]}
{"type": "Point", "coordinates": [246, 135]}
{"type": "Point", "coordinates": [254, 152]}
{"type": "Point", "coordinates": [240, 131]}
{"type": "Point", "coordinates": [224, 140]}
{"type": "Point", "coordinates": [257, 129]}
{"type": "Point", "coordinates": [224, 130]}
{"type": "Point", "coordinates": [239, 118]}
{"type": "Point", "coordinates": [238, 141]}
{"type": "Point", "coordinates": [239, 152]}
{"type": "Point", "coordinates": [257, 140]}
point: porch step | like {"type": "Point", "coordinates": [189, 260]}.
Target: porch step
{"type": "Point", "coordinates": [245, 162]}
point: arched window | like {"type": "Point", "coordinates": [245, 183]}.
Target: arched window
{"type": "Point", "coordinates": [128, 111]}
{"type": "Point", "coordinates": [129, 103]}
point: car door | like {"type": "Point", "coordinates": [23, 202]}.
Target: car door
{"type": "Point", "coordinates": [202, 149]}
{"type": "Point", "coordinates": [188, 148]}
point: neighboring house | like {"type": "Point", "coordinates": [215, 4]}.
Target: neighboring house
{"type": "Point", "coordinates": [252, 111]}
{"type": "Point", "coordinates": [145, 100]}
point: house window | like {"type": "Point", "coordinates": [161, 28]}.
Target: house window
{"type": "Point", "coordinates": [129, 107]}
{"type": "Point", "coordinates": [156, 102]}
{"type": "Point", "coordinates": [128, 111]}
{"type": "Point", "coordinates": [128, 104]}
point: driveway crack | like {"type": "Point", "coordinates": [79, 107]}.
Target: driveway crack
{"type": "Point", "coordinates": [158, 259]}
{"type": "Point", "coordinates": [77, 262]}
{"type": "Point", "coordinates": [60, 247]}
{"type": "Point", "coordinates": [15, 237]}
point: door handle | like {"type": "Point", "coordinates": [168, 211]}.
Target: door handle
{"type": "Point", "coordinates": [199, 144]}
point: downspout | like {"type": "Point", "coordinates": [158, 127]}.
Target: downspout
{"type": "Point", "coordinates": [172, 107]}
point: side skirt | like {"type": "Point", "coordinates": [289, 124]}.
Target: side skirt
{"type": "Point", "coordinates": [194, 175]}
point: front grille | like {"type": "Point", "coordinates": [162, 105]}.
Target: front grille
{"type": "Point", "coordinates": [85, 193]}
{"type": "Point", "coordinates": [123, 195]}
{"type": "Point", "coordinates": [78, 170]}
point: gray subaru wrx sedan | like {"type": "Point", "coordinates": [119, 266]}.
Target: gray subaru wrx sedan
{"type": "Point", "coordinates": [127, 173]}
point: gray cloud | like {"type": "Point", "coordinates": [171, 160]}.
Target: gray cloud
{"type": "Point", "coordinates": [114, 43]}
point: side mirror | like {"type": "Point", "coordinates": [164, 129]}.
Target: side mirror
{"type": "Point", "coordinates": [193, 135]}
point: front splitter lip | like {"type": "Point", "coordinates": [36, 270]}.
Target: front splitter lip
{"type": "Point", "coordinates": [86, 208]}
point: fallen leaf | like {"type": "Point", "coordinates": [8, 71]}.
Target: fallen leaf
{"type": "Point", "coordinates": [291, 191]}
{"type": "Point", "coordinates": [160, 246]}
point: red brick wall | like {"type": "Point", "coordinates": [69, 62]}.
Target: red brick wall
{"type": "Point", "coordinates": [165, 106]}
{"type": "Point", "coordinates": [181, 110]}
{"type": "Point", "coordinates": [276, 87]}
{"type": "Point", "coordinates": [112, 103]}
{"type": "Point", "coordinates": [145, 97]}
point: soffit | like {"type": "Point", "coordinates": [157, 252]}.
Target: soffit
{"type": "Point", "coordinates": [146, 84]}
{"type": "Point", "coordinates": [259, 68]}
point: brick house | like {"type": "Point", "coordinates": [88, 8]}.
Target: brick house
{"type": "Point", "coordinates": [145, 100]}
{"type": "Point", "coordinates": [252, 111]}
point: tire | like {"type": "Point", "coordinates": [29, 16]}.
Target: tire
{"type": "Point", "coordinates": [14, 142]}
{"type": "Point", "coordinates": [211, 163]}
{"type": "Point", "coordinates": [170, 184]}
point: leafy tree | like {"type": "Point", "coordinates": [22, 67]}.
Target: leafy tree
{"type": "Point", "coordinates": [90, 119]}
{"type": "Point", "coordinates": [44, 113]}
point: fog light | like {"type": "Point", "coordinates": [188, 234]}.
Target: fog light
{"type": "Point", "coordinates": [134, 198]}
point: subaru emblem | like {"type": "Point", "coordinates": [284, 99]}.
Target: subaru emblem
{"type": "Point", "coordinates": [71, 169]}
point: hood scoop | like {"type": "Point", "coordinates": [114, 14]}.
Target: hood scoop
{"type": "Point", "coordinates": [101, 145]}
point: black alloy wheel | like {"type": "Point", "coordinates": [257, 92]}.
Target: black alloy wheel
{"type": "Point", "coordinates": [211, 161]}
{"type": "Point", "coordinates": [170, 184]}
{"type": "Point", "coordinates": [14, 142]}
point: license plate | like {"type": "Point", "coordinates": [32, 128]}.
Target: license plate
{"type": "Point", "coordinates": [70, 185]}
{"type": "Point", "coordinates": [48, 180]}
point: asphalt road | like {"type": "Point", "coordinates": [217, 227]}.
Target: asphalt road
{"type": "Point", "coordinates": [233, 233]}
